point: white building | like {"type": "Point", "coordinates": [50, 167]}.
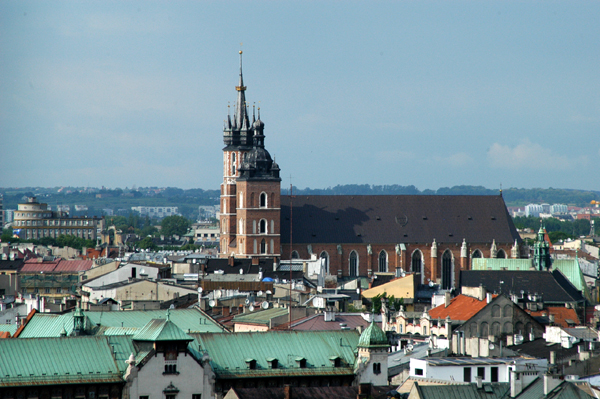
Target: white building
{"type": "Point", "coordinates": [467, 369]}
{"type": "Point", "coordinates": [156, 211]}
{"type": "Point", "coordinates": [533, 210]}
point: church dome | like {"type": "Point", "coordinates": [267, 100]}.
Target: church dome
{"type": "Point", "coordinates": [373, 337]}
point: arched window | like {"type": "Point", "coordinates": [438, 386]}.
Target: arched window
{"type": "Point", "coordinates": [325, 255]}
{"type": "Point", "coordinates": [447, 270]}
{"type": "Point", "coordinates": [263, 200]}
{"type": "Point", "coordinates": [353, 264]}
{"type": "Point", "coordinates": [233, 163]}
{"type": "Point", "coordinates": [241, 204]}
{"type": "Point", "coordinates": [477, 254]}
{"type": "Point", "coordinates": [272, 226]}
{"type": "Point", "coordinates": [295, 255]}
{"type": "Point", "coordinates": [241, 228]}
{"type": "Point", "coordinates": [383, 262]}
{"type": "Point", "coordinates": [417, 262]}
{"type": "Point", "coordinates": [507, 311]}
{"type": "Point", "coordinates": [263, 226]}
{"type": "Point", "coordinates": [508, 327]}
{"type": "Point", "coordinates": [263, 247]}
{"type": "Point", "coordinates": [501, 254]}
{"type": "Point", "coordinates": [485, 329]}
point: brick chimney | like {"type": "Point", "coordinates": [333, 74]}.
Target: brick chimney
{"type": "Point", "coordinates": [287, 392]}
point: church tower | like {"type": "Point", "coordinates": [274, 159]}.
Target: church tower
{"type": "Point", "coordinates": [251, 188]}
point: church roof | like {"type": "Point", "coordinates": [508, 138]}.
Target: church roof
{"type": "Point", "coordinates": [397, 219]}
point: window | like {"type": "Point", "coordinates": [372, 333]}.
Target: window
{"type": "Point", "coordinates": [383, 263]}
{"type": "Point", "coordinates": [418, 371]}
{"type": "Point", "coordinates": [47, 290]}
{"type": "Point", "coordinates": [353, 264]}
{"type": "Point", "coordinates": [251, 364]}
{"type": "Point", "coordinates": [263, 247]}
{"type": "Point", "coordinates": [416, 262]}
{"type": "Point", "coordinates": [196, 396]}
{"type": "Point", "coordinates": [494, 374]}
{"type": "Point", "coordinates": [295, 255]}
{"type": "Point", "coordinates": [263, 226]}
{"type": "Point", "coordinates": [263, 200]}
{"type": "Point", "coordinates": [447, 270]}
{"type": "Point", "coordinates": [467, 374]}
{"type": "Point", "coordinates": [144, 397]}
{"type": "Point", "coordinates": [59, 290]}
{"type": "Point", "coordinates": [170, 369]}
{"type": "Point", "coordinates": [481, 372]}
{"type": "Point", "coordinates": [325, 255]}
{"type": "Point", "coordinates": [233, 163]}
{"type": "Point", "coordinates": [376, 368]}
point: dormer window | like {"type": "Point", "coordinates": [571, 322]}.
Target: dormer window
{"type": "Point", "coordinates": [336, 361]}
{"type": "Point", "coordinates": [301, 362]}
{"type": "Point", "coordinates": [251, 364]}
{"type": "Point", "coordinates": [273, 363]}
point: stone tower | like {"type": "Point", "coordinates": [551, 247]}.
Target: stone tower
{"type": "Point", "coordinates": [251, 188]}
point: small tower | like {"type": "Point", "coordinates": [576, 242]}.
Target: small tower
{"type": "Point", "coordinates": [541, 251]}
{"type": "Point", "coordinates": [78, 322]}
{"type": "Point", "coordinates": [371, 364]}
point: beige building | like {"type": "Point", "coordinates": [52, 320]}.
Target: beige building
{"type": "Point", "coordinates": [34, 220]}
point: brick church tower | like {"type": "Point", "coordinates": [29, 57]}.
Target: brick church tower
{"type": "Point", "coordinates": [251, 188]}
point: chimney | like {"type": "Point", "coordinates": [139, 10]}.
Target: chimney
{"type": "Point", "coordinates": [231, 261]}
{"type": "Point", "coordinates": [550, 382]}
{"type": "Point", "coordinates": [479, 382]}
{"type": "Point", "coordinates": [488, 297]}
{"type": "Point", "coordinates": [516, 384]}
{"type": "Point", "coordinates": [287, 392]}
{"type": "Point", "coordinates": [255, 261]}
{"type": "Point", "coordinates": [552, 357]}
{"type": "Point", "coordinates": [482, 292]}
{"type": "Point", "coordinates": [446, 299]}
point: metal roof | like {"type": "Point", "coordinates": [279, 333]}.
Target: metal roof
{"type": "Point", "coordinates": [57, 361]}
{"type": "Point", "coordinates": [260, 317]}
{"type": "Point", "coordinates": [99, 323]}
{"type": "Point", "coordinates": [228, 352]}
{"type": "Point", "coordinates": [465, 361]}
{"type": "Point", "coordinates": [496, 390]}
{"type": "Point", "coordinates": [161, 330]}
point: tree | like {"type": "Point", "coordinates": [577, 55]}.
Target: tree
{"type": "Point", "coordinates": [147, 243]}
{"type": "Point", "coordinates": [174, 225]}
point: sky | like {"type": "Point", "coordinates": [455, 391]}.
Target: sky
{"type": "Point", "coordinates": [424, 93]}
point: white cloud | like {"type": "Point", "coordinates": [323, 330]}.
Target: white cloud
{"type": "Point", "coordinates": [528, 155]}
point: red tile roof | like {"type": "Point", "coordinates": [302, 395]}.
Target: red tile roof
{"type": "Point", "coordinates": [57, 266]}
{"type": "Point", "coordinates": [462, 307]}
{"type": "Point", "coordinates": [318, 323]}
{"type": "Point", "coordinates": [561, 314]}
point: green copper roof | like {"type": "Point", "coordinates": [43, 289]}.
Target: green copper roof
{"type": "Point", "coordinates": [57, 360]}
{"type": "Point", "coordinates": [161, 330]}
{"type": "Point", "coordinates": [112, 323]}
{"type": "Point", "coordinates": [373, 337]}
{"type": "Point", "coordinates": [231, 354]}
{"type": "Point", "coordinates": [260, 317]}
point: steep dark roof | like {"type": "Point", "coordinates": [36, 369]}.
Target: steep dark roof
{"type": "Point", "coordinates": [553, 287]}
{"type": "Point", "coordinates": [539, 348]}
{"type": "Point", "coordinates": [213, 264]}
{"type": "Point", "coordinates": [397, 219]}
{"type": "Point", "coordinates": [11, 264]}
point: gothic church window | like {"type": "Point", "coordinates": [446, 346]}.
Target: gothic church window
{"type": "Point", "coordinates": [353, 264]}
{"type": "Point", "coordinates": [263, 226]}
{"type": "Point", "coordinates": [295, 255]}
{"type": "Point", "coordinates": [233, 163]}
{"type": "Point", "coordinates": [325, 255]}
{"type": "Point", "coordinates": [501, 254]}
{"type": "Point", "coordinates": [447, 270]}
{"type": "Point", "coordinates": [477, 254]}
{"type": "Point", "coordinates": [383, 262]}
{"type": "Point", "coordinates": [416, 262]}
{"type": "Point", "coordinates": [263, 247]}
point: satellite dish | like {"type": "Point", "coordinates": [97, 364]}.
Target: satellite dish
{"type": "Point", "coordinates": [431, 283]}
{"type": "Point", "coordinates": [269, 292]}
{"type": "Point", "coordinates": [260, 293]}
{"type": "Point", "coordinates": [403, 274]}
{"type": "Point", "coordinates": [199, 290]}
{"type": "Point", "coordinates": [251, 308]}
{"type": "Point", "coordinates": [218, 294]}
{"type": "Point", "coordinates": [211, 303]}
{"type": "Point", "coordinates": [491, 346]}
{"type": "Point", "coordinates": [172, 306]}
{"type": "Point", "coordinates": [265, 305]}
{"type": "Point", "coordinates": [247, 301]}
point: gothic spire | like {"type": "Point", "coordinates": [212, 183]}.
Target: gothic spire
{"type": "Point", "coordinates": [241, 116]}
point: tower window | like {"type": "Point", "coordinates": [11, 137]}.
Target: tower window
{"type": "Point", "coordinates": [263, 247]}
{"type": "Point", "coordinates": [263, 200]}
{"type": "Point", "coordinates": [376, 368]}
{"type": "Point", "coordinates": [383, 266]}
{"type": "Point", "coordinates": [263, 226]}
{"type": "Point", "coordinates": [353, 264]}
{"type": "Point", "coordinates": [233, 163]}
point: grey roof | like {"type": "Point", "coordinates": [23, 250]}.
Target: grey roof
{"type": "Point", "coordinates": [495, 390]}
{"type": "Point", "coordinates": [397, 219]}
{"type": "Point", "coordinates": [552, 286]}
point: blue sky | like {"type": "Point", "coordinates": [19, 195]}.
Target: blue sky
{"type": "Point", "coordinates": [430, 94]}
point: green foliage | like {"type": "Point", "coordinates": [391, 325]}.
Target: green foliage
{"type": "Point", "coordinates": [147, 243]}
{"type": "Point", "coordinates": [172, 225]}
{"type": "Point", "coordinates": [392, 302]}
{"type": "Point", "coordinates": [7, 235]}
{"type": "Point", "coordinates": [556, 229]}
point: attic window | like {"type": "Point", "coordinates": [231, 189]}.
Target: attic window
{"type": "Point", "coordinates": [493, 217]}
{"type": "Point", "coordinates": [424, 217]}
{"type": "Point", "coordinates": [336, 361]}
{"type": "Point", "coordinates": [358, 234]}
{"type": "Point", "coordinates": [301, 362]}
{"type": "Point", "coordinates": [337, 218]}
{"type": "Point", "coordinates": [273, 363]}
{"type": "Point", "coordinates": [378, 218]}
{"type": "Point", "coordinates": [251, 364]}
{"type": "Point", "coordinates": [470, 217]}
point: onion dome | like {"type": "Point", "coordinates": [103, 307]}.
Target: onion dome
{"type": "Point", "coordinates": [373, 337]}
